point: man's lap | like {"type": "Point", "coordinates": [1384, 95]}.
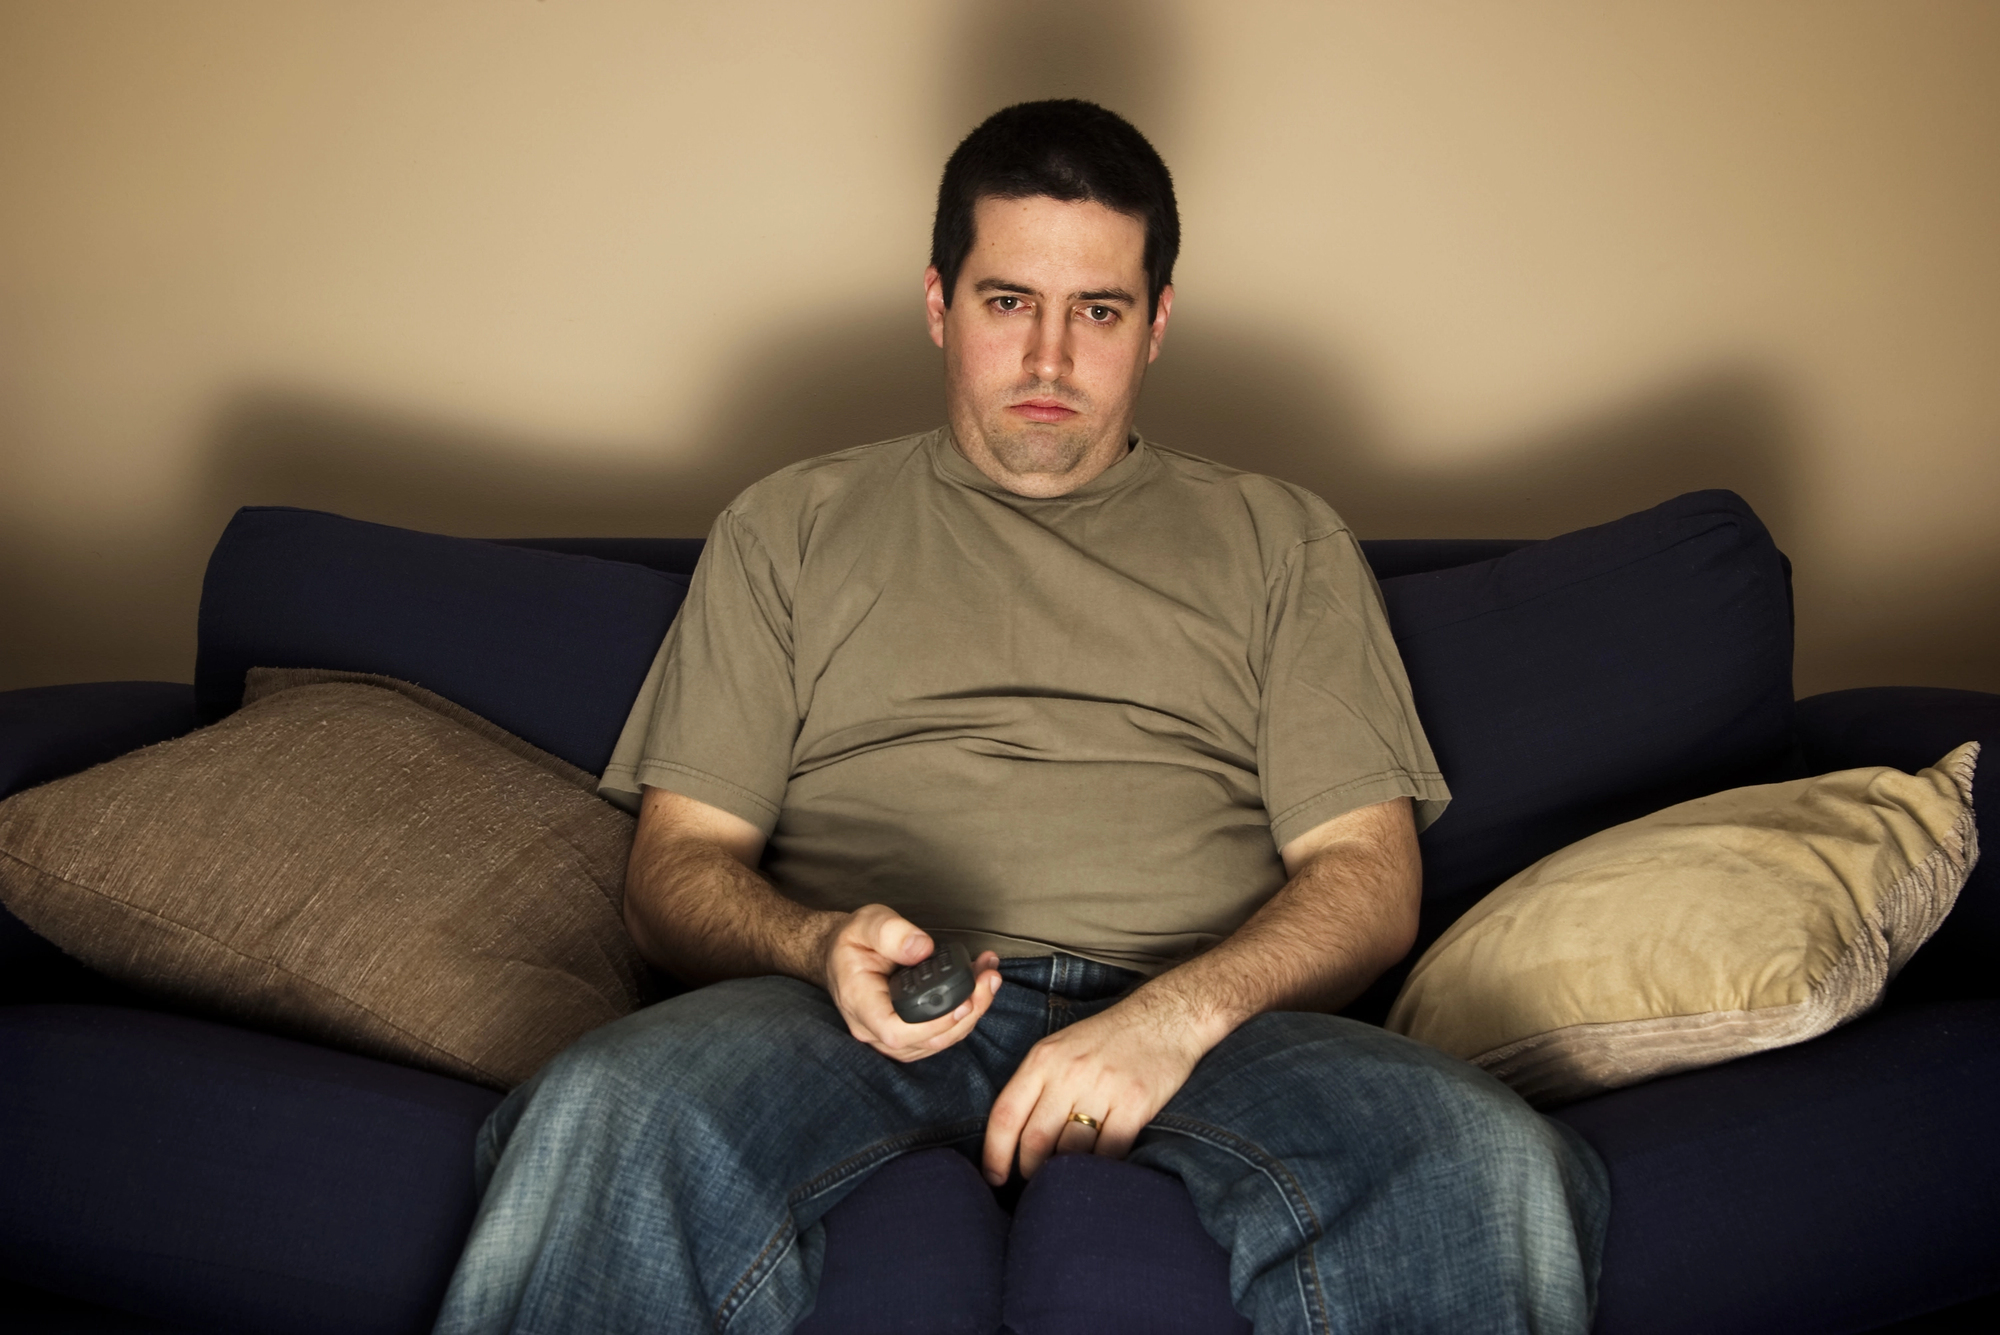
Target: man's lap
{"type": "Point", "coordinates": [758, 1072]}
{"type": "Point", "coordinates": [764, 1060]}
{"type": "Point", "coordinates": [1308, 1142]}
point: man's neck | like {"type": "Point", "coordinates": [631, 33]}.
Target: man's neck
{"type": "Point", "coordinates": [1060, 478]}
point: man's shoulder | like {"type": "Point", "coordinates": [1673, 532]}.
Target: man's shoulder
{"type": "Point", "coordinates": [811, 483]}
{"type": "Point", "coordinates": [1284, 511]}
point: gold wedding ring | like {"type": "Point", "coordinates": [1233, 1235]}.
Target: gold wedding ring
{"type": "Point", "coordinates": [1085, 1118]}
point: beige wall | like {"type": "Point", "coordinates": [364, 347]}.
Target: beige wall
{"type": "Point", "coordinates": [510, 267]}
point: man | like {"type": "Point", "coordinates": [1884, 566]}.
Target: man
{"type": "Point", "coordinates": [1127, 723]}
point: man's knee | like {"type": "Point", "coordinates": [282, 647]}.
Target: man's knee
{"type": "Point", "coordinates": [1324, 1078]}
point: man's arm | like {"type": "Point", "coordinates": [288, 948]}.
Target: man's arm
{"type": "Point", "coordinates": [1348, 912]}
{"type": "Point", "coordinates": [696, 907]}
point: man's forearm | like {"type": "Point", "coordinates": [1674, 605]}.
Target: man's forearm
{"type": "Point", "coordinates": [1348, 914]}
{"type": "Point", "coordinates": [703, 916]}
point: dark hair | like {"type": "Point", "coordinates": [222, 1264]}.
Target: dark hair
{"type": "Point", "coordinates": [1065, 149]}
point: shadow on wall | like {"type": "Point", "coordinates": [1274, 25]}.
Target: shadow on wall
{"type": "Point", "coordinates": [1121, 54]}
{"type": "Point", "coordinates": [1272, 407]}
{"type": "Point", "coordinates": [806, 392]}
{"type": "Point", "coordinates": [1252, 400]}
{"type": "Point", "coordinates": [1247, 403]}
{"type": "Point", "coordinates": [102, 608]}
{"type": "Point", "coordinates": [1247, 400]}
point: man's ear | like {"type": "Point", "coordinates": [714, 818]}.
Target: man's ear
{"type": "Point", "coordinates": [934, 303]}
{"type": "Point", "coordinates": [1159, 322]}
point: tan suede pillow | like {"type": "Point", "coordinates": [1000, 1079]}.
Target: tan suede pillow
{"type": "Point", "coordinates": [1719, 927]}
{"type": "Point", "coordinates": [349, 859]}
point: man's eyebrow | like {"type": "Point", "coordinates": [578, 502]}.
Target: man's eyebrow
{"type": "Point", "coordinates": [1096, 294]}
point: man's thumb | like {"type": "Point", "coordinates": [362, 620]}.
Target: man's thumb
{"type": "Point", "coordinates": [912, 945]}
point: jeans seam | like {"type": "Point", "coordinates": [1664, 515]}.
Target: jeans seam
{"type": "Point", "coordinates": [766, 1261]}
{"type": "Point", "coordinates": [1280, 1177]}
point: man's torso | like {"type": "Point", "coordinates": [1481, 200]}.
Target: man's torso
{"type": "Point", "coordinates": [1032, 723]}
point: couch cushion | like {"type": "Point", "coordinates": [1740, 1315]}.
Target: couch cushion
{"type": "Point", "coordinates": [1391, 558]}
{"type": "Point", "coordinates": [914, 1250]}
{"type": "Point", "coordinates": [674, 556]}
{"type": "Point", "coordinates": [1102, 1247]}
{"type": "Point", "coordinates": [229, 1180]}
{"type": "Point", "coordinates": [352, 860]}
{"type": "Point", "coordinates": [26, 1311]}
{"type": "Point", "coordinates": [1584, 680]}
{"type": "Point", "coordinates": [551, 647]}
{"type": "Point", "coordinates": [1833, 1186]}
{"type": "Point", "coordinates": [1746, 920]}
{"type": "Point", "coordinates": [49, 731]}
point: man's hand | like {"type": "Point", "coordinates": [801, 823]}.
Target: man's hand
{"type": "Point", "coordinates": [1348, 912]}
{"type": "Point", "coordinates": [1118, 1067]}
{"type": "Point", "coordinates": [697, 908]}
{"type": "Point", "coordinates": [862, 951]}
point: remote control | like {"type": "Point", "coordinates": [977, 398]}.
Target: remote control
{"type": "Point", "coordinates": [925, 991]}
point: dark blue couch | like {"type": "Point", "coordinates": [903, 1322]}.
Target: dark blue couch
{"type": "Point", "coordinates": [163, 1171]}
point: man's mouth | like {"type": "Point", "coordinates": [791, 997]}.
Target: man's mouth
{"type": "Point", "coordinates": [1043, 410]}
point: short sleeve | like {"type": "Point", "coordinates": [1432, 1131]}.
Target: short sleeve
{"type": "Point", "coordinates": [1337, 729]}
{"type": "Point", "coordinates": [717, 717]}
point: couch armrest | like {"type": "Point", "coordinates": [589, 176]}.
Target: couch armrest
{"type": "Point", "coordinates": [1911, 727]}
{"type": "Point", "coordinates": [47, 732]}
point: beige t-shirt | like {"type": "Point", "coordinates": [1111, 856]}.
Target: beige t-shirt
{"type": "Point", "coordinates": [1085, 723]}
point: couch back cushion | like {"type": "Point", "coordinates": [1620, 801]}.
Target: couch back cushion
{"type": "Point", "coordinates": [549, 646]}
{"type": "Point", "coordinates": [1579, 682]}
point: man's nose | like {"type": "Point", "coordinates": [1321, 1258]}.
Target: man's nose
{"type": "Point", "coordinates": [1048, 356]}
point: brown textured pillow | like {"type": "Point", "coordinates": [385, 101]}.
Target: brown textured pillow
{"type": "Point", "coordinates": [350, 859]}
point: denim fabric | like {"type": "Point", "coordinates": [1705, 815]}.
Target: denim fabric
{"type": "Point", "coordinates": [669, 1171]}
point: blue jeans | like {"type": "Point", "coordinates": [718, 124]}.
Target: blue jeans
{"type": "Point", "coordinates": [669, 1171]}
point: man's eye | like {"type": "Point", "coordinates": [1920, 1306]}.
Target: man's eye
{"type": "Point", "coordinates": [1101, 314]}
{"type": "Point", "coordinates": [1007, 303]}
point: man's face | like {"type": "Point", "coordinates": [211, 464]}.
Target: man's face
{"type": "Point", "coordinates": [1046, 341]}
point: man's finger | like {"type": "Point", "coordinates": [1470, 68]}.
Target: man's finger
{"type": "Point", "coordinates": [901, 940]}
{"type": "Point", "coordinates": [1004, 1122]}
{"type": "Point", "coordinates": [913, 1042]}
{"type": "Point", "coordinates": [966, 1015]}
{"type": "Point", "coordinates": [1115, 1137]}
{"type": "Point", "coordinates": [870, 1007]}
{"type": "Point", "coordinates": [1076, 1138]}
{"type": "Point", "coordinates": [1044, 1126]}
{"type": "Point", "coordinates": [861, 992]}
